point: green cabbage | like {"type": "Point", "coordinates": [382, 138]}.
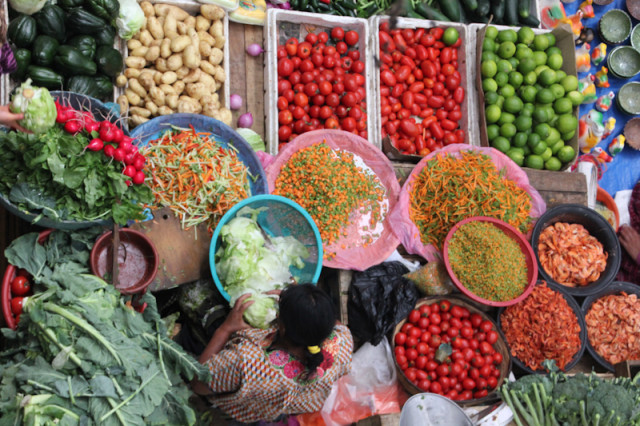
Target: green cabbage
{"type": "Point", "coordinates": [262, 312]}
{"type": "Point", "coordinates": [37, 105]}
{"type": "Point", "coordinates": [247, 262]}
{"type": "Point", "coordinates": [253, 139]}
{"type": "Point", "coordinates": [130, 19]}
{"type": "Point", "coordinates": [28, 7]}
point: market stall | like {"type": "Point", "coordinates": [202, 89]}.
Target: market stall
{"type": "Point", "coordinates": [439, 165]}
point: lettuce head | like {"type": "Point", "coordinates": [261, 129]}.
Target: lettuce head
{"type": "Point", "coordinates": [37, 105]}
{"type": "Point", "coordinates": [130, 19]}
{"type": "Point", "coordinates": [262, 312]}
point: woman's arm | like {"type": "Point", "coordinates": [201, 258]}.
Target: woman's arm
{"type": "Point", "coordinates": [630, 240]}
{"type": "Point", "coordinates": [9, 119]}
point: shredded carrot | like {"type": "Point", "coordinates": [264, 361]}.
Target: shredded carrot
{"type": "Point", "coordinates": [449, 189]}
{"type": "Point", "coordinates": [195, 176]}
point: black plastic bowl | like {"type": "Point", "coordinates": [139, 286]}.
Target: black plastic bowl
{"type": "Point", "coordinates": [583, 330]}
{"type": "Point", "coordinates": [101, 112]}
{"type": "Point", "coordinates": [597, 226]}
{"type": "Point", "coordinates": [615, 287]}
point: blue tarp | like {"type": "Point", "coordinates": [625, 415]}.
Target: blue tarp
{"type": "Point", "coordinates": [624, 171]}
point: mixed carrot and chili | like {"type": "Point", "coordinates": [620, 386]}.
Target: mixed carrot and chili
{"type": "Point", "coordinates": [449, 189]}
{"type": "Point", "coordinates": [542, 326]}
{"type": "Point", "coordinates": [195, 176]}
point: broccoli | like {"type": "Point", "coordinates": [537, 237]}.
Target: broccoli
{"type": "Point", "coordinates": [608, 397]}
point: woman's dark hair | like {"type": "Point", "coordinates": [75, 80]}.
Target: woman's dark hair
{"type": "Point", "coordinates": [308, 316]}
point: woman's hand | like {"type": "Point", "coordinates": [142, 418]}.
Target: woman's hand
{"type": "Point", "coordinates": [630, 240]}
{"type": "Point", "coordinates": [234, 320]}
{"type": "Point", "coordinates": [9, 119]}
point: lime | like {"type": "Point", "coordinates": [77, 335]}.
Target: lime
{"type": "Point", "coordinates": [515, 79]}
{"type": "Point", "coordinates": [491, 98]}
{"type": "Point", "coordinates": [568, 136]}
{"type": "Point", "coordinates": [523, 123]}
{"type": "Point", "coordinates": [519, 140]}
{"type": "Point", "coordinates": [546, 154]}
{"type": "Point", "coordinates": [539, 148]}
{"type": "Point", "coordinates": [562, 106]}
{"type": "Point", "coordinates": [488, 69]}
{"type": "Point", "coordinates": [540, 58]}
{"type": "Point", "coordinates": [530, 78]}
{"type": "Point", "coordinates": [512, 104]}
{"type": "Point", "coordinates": [501, 144]}
{"type": "Point", "coordinates": [491, 33]}
{"type": "Point", "coordinates": [500, 101]}
{"type": "Point", "coordinates": [489, 56]}
{"type": "Point", "coordinates": [567, 123]}
{"type": "Point", "coordinates": [526, 112]}
{"type": "Point", "coordinates": [504, 66]}
{"type": "Point", "coordinates": [507, 91]}
{"type": "Point", "coordinates": [553, 119]}
{"type": "Point", "coordinates": [545, 96]}
{"type": "Point", "coordinates": [542, 130]}
{"type": "Point", "coordinates": [547, 77]}
{"type": "Point", "coordinates": [569, 83]}
{"type": "Point", "coordinates": [558, 90]}
{"type": "Point", "coordinates": [514, 62]}
{"type": "Point", "coordinates": [534, 162]}
{"type": "Point", "coordinates": [540, 42]}
{"type": "Point", "coordinates": [507, 35]}
{"type": "Point", "coordinates": [554, 136]}
{"type": "Point", "coordinates": [501, 78]}
{"type": "Point", "coordinates": [526, 35]}
{"type": "Point", "coordinates": [528, 108]}
{"type": "Point", "coordinates": [492, 113]}
{"type": "Point", "coordinates": [554, 61]}
{"type": "Point", "coordinates": [489, 85]}
{"type": "Point", "coordinates": [516, 155]}
{"type": "Point", "coordinates": [540, 68]}
{"type": "Point", "coordinates": [575, 97]}
{"type": "Point", "coordinates": [560, 75]}
{"type": "Point", "coordinates": [553, 164]}
{"type": "Point", "coordinates": [540, 115]}
{"type": "Point", "coordinates": [450, 36]}
{"type": "Point", "coordinates": [557, 146]}
{"type": "Point", "coordinates": [551, 38]}
{"type": "Point", "coordinates": [493, 131]}
{"type": "Point", "coordinates": [506, 117]}
{"type": "Point", "coordinates": [533, 139]}
{"type": "Point", "coordinates": [526, 65]}
{"type": "Point", "coordinates": [488, 45]}
{"type": "Point", "coordinates": [553, 50]}
{"type": "Point", "coordinates": [508, 130]}
{"type": "Point", "coordinates": [528, 93]}
{"type": "Point", "coordinates": [506, 49]}
{"type": "Point", "coordinates": [566, 154]}
{"type": "Point", "coordinates": [523, 52]}
{"type": "Point", "coordinates": [527, 150]}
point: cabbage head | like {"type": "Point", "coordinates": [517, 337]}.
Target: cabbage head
{"type": "Point", "coordinates": [130, 19]}
{"type": "Point", "coordinates": [262, 312]}
{"type": "Point", "coordinates": [28, 7]}
{"type": "Point", "coordinates": [37, 105]}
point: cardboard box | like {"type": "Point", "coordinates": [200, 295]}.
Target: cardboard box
{"type": "Point", "coordinates": [564, 41]}
{"type": "Point", "coordinates": [284, 24]}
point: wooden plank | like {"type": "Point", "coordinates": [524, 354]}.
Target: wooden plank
{"type": "Point", "coordinates": [254, 78]}
{"type": "Point", "coordinates": [392, 419]}
{"type": "Point", "coordinates": [236, 63]}
{"type": "Point", "coordinates": [559, 187]}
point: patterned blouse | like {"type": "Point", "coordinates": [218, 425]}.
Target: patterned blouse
{"type": "Point", "coordinates": [252, 383]}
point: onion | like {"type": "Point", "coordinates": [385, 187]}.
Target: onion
{"type": "Point", "coordinates": [285, 6]}
{"type": "Point", "coordinates": [245, 120]}
{"type": "Point", "coordinates": [254, 49]}
{"type": "Point", "coordinates": [235, 101]}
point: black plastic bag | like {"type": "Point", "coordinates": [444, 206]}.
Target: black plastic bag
{"type": "Point", "coordinates": [379, 298]}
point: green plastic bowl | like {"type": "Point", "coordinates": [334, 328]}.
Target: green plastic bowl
{"type": "Point", "coordinates": [624, 61]}
{"type": "Point", "coordinates": [628, 98]}
{"type": "Point", "coordinates": [615, 26]}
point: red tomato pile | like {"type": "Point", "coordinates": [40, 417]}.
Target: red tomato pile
{"type": "Point", "coordinates": [20, 288]}
{"type": "Point", "coordinates": [420, 92]}
{"type": "Point", "coordinates": [444, 349]}
{"type": "Point", "coordinates": [321, 85]}
{"type": "Point", "coordinates": [106, 137]}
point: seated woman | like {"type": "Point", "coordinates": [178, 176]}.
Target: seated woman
{"type": "Point", "coordinates": [286, 369]}
{"type": "Point", "coordinates": [629, 236]}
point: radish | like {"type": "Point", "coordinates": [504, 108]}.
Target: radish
{"type": "Point", "coordinates": [138, 178]}
{"type": "Point", "coordinates": [125, 146]}
{"type": "Point", "coordinates": [118, 134]}
{"type": "Point", "coordinates": [129, 157]}
{"type": "Point", "coordinates": [138, 161]}
{"type": "Point", "coordinates": [91, 126]}
{"type": "Point", "coordinates": [106, 131]}
{"type": "Point", "coordinates": [129, 171]}
{"type": "Point", "coordinates": [72, 126]}
{"type": "Point", "coordinates": [119, 154]}
{"type": "Point", "coordinates": [95, 144]}
{"type": "Point", "coordinates": [109, 150]}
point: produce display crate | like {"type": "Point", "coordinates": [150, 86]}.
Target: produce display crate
{"type": "Point", "coordinates": [193, 8]}
{"type": "Point", "coordinates": [465, 67]}
{"type": "Point", "coordinates": [4, 78]}
{"type": "Point", "coordinates": [283, 24]}
{"type": "Point", "coordinates": [564, 41]}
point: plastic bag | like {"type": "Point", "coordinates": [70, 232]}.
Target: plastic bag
{"type": "Point", "coordinates": [379, 298]}
{"type": "Point", "coordinates": [370, 387]}
{"type": "Point", "coordinates": [432, 279]}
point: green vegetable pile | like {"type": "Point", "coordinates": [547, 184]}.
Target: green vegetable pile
{"type": "Point", "coordinates": [80, 355]}
{"type": "Point", "coordinates": [54, 174]}
{"type": "Point", "coordinates": [558, 399]}
{"type": "Point", "coordinates": [37, 105]}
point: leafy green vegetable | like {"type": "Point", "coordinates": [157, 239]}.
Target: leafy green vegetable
{"type": "Point", "coordinates": [253, 139]}
{"type": "Point", "coordinates": [249, 261]}
{"type": "Point", "coordinates": [53, 175]}
{"type": "Point", "coordinates": [36, 103]}
{"type": "Point", "coordinates": [130, 19]}
{"type": "Point", "coordinates": [80, 355]}
{"type": "Point", "coordinates": [28, 7]}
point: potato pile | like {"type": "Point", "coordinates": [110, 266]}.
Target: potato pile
{"type": "Point", "coordinates": [174, 64]}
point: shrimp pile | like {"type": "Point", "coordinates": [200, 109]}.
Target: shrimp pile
{"type": "Point", "coordinates": [570, 255]}
{"type": "Point", "coordinates": [613, 327]}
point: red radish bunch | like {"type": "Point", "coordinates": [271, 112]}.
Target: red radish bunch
{"type": "Point", "coordinates": [321, 84]}
{"type": "Point", "coordinates": [106, 137]}
{"type": "Point", "coordinates": [420, 89]}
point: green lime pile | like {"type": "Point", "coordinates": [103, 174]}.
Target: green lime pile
{"type": "Point", "coordinates": [529, 100]}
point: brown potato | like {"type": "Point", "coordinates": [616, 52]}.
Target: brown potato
{"type": "Point", "coordinates": [135, 62]}
{"type": "Point", "coordinates": [191, 57]}
{"type": "Point", "coordinates": [212, 12]}
{"type": "Point", "coordinates": [152, 54]}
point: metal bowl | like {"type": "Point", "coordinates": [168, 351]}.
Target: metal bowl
{"type": "Point", "coordinates": [614, 26]}
{"type": "Point", "coordinates": [624, 61]}
{"type": "Point", "coordinates": [628, 98]}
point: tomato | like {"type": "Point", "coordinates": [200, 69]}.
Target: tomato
{"type": "Point", "coordinates": [434, 317]}
{"type": "Point", "coordinates": [411, 354]}
{"type": "Point", "coordinates": [337, 33]}
{"type": "Point", "coordinates": [476, 320]}
{"type": "Point", "coordinates": [486, 348]}
{"type": "Point", "coordinates": [435, 341]}
{"type": "Point", "coordinates": [285, 117]}
{"type": "Point", "coordinates": [414, 316]}
{"type": "Point", "coordinates": [332, 123]}
{"type": "Point", "coordinates": [423, 323]}
{"type": "Point", "coordinates": [468, 384]}
{"type": "Point", "coordinates": [425, 310]}
{"type": "Point", "coordinates": [477, 361]}
{"type": "Point", "coordinates": [349, 99]}
{"type": "Point", "coordinates": [409, 127]}
{"type": "Point", "coordinates": [453, 332]}
{"type": "Point", "coordinates": [351, 38]}
{"type": "Point", "coordinates": [284, 132]}
{"type": "Point", "coordinates": [497, 358]}
{"type": "Point", "coordinates": [458, 95]}
{"type": "Point", "coordinates": [323, 37]}
{"type": "Point", "coordinates": [298, 112]}
{"type": "Point", "coordinates": [486, 326]}
{"type": "Point", "coordinates": [285, 67]}
{"type": "Point", "coordinates": [283, 85]}
{"type": "Point", "coordinates": [16, 305]}
{"type": "Point", "coordinates": [435, 388]}
{"type": "Point", "coordinates": [332, 99]}
{"type": "Point", "coordinates": [311, 38]}
{"type": "Point", "coordinates": [400, 338]}
{"type": "Point", "coordinates": [442, 370]}
{"type": "Point", "coordinates": [354, 55]}
{"type": "Point", "coordinates": [20, 286]}
{"type": "Point", "coordinates": [399, 350]}
{"type": "Point", "coordinates": [325, 112]}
